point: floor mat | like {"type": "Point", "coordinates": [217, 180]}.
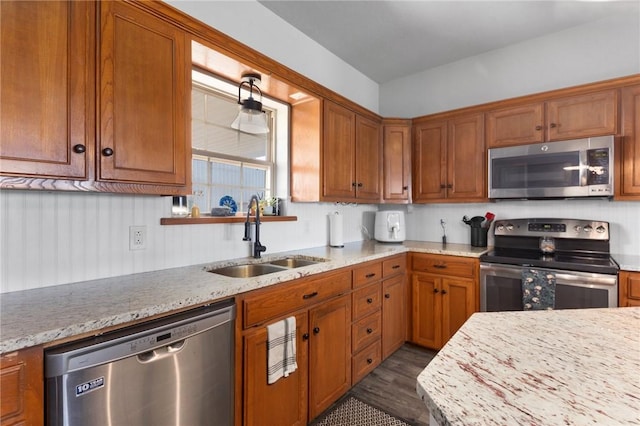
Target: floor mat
{"type": "Point", "coordinates": [353, 412]}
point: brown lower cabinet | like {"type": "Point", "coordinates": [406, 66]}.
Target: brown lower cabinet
{"type": "Point", "coordinates": [22, 387]}
{"type": "Point", "coordinates": [629, 288]}
{"type": "Point", "coordinates": [444, 296]}
{"type": "Point", "coordinates": [322, 307]}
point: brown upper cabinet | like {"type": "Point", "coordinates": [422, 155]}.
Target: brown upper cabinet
{"type": "Point", "coordinates": [585, 115]}
{"type": "Point", "coordinates": [396, 161]}
{"type": "Point", "coordinates": [628, 149]}
{"type": "Point", "coordinates": [350, 156]}
{"type": "Point", "coordinates": [449, 159]}
{"type": "Point", "coordinates": [46, 96]}
{"type": "Point", "coordinates": [140, 140]}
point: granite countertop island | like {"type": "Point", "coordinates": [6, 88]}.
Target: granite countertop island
{"type": "Point", "coordinates": [50, 314]}
{"type": "Point", "coordinates": [562, 367]}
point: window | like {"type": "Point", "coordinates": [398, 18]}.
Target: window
{"type": "Point", "coordinates": [227, 162]}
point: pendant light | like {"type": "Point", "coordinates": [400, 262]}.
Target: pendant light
{"type": "Point", "coordinates": [251, 118]}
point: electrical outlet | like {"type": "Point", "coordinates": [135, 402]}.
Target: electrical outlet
{"type": "Point", "coordinates": [137, 237]}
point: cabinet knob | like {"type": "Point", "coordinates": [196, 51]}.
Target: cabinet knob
{"type": "Point", "coordinates": [353, 184]}
{"type": "Point", "coordinates": [369, 361]}
{"type": "Point", "coordinates": [316, 330]}
{"type": "Point", "coordinates": [538, 127]}
{"type": "Point", "coordinates": [369, 300]}
{"type": "Point", "coordinates": [404, 188]}
{"type": "Point", "coordinates": [305, 336]}
{"type": "Point", "coordinates": [552, 125]}
{"type": "Point", "coordinates": [387, 296]}
{"type": "Point", "coordinates": [360, 185]}
{"type": "Point", "coordinates": [435, 290]}
{"type": "Point", "coordinates": [444, 292]}
{"type": "Point", "coordinates": [443, 186]}
{"type": "Point", "coordinates": [450, 186]}
{"type": "Point", "coordinates": [79, 148]}
{"type": "Point", "coordinates": [107, 152]}
{"type": "Point", "coordinates": [369, 330]}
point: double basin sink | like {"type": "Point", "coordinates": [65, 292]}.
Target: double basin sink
{"type": "Point", "coordinates": [249, 270]}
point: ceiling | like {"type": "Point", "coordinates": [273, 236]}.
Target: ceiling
{"type": "Point", "coordinates": [390, 39]}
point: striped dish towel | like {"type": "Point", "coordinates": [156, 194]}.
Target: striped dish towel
{"type": "Point", "coordinates": [281, 349]}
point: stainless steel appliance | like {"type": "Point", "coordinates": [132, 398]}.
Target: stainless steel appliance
{"type": "Point", "coordinates": [576, 252]}
{"type": "Point", "coordinates": [172, 371]}
{"type": "Point", "coordinates": [565, 169]}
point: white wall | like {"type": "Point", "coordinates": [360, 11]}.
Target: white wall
{"type": "Point", "coordinates": [600, 50]}
{"type": "Point", "coordinates": [58, 238]}
{"type": "Point", "coordinates": [257, 27]}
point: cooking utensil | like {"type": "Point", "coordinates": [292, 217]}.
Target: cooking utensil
{"type": "Point", "coordinates": [443, 223]}
{"type": "Point", "coordinates": [489, 216]}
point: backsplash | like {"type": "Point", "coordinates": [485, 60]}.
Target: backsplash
{"type": "Point", "coordinates": [57, 238]}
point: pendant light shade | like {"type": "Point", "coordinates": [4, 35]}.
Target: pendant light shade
{"type": "Point", "coordinates": [251, 118]}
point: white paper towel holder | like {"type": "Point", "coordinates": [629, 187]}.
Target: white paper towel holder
{"type": "Point", "coordinates": [335, 230]}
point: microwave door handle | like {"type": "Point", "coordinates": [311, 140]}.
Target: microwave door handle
{"type": "Point", "coordinates": [584, 168]}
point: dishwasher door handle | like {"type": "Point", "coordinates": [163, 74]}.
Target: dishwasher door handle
{"type": "Point", "coordinates": [161, 353]}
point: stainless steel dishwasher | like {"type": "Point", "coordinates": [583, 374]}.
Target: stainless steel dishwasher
{"type": "Point", "coordinates": [176, 370]}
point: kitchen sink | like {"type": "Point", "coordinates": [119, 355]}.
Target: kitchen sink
{"type": "Point", "coordinates": [249, 270]}
{"type": "Point", "coordinates": [293, 262]}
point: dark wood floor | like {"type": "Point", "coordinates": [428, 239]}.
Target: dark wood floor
{"type": "Point", "coordinates": [392, 385]}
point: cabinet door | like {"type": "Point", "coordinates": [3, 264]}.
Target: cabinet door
{"type": "Point", "coordinates": [629, 289]}
{"type": "Point", "coordinates": [515, 126]}
{"type": "Point", "coordinates": [628, 157]}
{"type": "Point", "coordinates": [396, 169]}
{"type": "Point", "coordinates": [338, 153]}
{"type": "Point", "coordinates": [430, 161]}
{"type": "Point", "coordinates": [593, 114]}
{"type": "Point", "coordinates": [426, 310]}
{"type": "Point", "coordinates": [285, 401]}
{"type": "Point", "coordinates": [394, 314]}
{"type": "Point", "coordinates": [367, 159]}
{"type": "Point", "coordinates": [329, 353]}
{"type": "Point", "coordinates": [46, 88]}
{"type": "Point", "coordinates": [466, 175]}
{"type": "Point", "coordinates": [22, 385]}
{"type": "Point", "coordinates": [144, 97]}
{"type": "Point", "coordinates": [458, 304]}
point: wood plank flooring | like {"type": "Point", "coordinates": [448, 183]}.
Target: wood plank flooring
{"type": "Point", "coordinates": [392, 385]}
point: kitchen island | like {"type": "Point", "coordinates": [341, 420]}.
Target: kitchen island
{"type": "Point", "coordinates": [562, 367]}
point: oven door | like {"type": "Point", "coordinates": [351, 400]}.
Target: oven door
{"type": "Point", "coordinates": [501, 288]}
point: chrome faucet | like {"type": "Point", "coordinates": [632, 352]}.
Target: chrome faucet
{"type": "Point", "coordinates": [257, 247]}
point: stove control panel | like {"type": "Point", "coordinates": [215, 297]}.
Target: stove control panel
{"type": "Point", "coordinates": [558, 228]}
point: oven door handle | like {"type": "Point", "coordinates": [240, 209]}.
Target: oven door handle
{"type": "Point", "coordinates": [573, 278]}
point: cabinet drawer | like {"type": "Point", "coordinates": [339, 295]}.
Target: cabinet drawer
{"type": "Point", "coordinates": [366, 300]}
{"type": "Point", "coordinates": [445, 265]}
{"type": "Point", "coordinates": [366, 331]}
{"type": "Point", "coordinates": [393, 266]}
{"type": "Point", "coordinates": [364, 362]}
{"type": "Point", "coordinates": [285, 298]}
{"type": "Point", "coordinates": [367, 274]}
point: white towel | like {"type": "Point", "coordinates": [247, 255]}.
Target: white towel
{"type": "Point", "coordinates": [281, 349]}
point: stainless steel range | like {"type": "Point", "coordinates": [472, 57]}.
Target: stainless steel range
{"type": "Point", "coordinates": [574, 253]}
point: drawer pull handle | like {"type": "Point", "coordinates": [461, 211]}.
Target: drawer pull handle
{"type": "Point", "coordinates": [441, 266]}
{"type": "Point", "coordinates": [371, 275]}
{"type": "Point", "coordinates": [369, 361]}
{"type": "Point", "coordinates": [305, 336]}
{"type": "Point", "coordinates": [395, 267]}
{"type": "Point", "coordinates": [369, 330]}
{"type": "Point", "coordinates": [316, 330]}
{"type": "Point", "coordinates": [387, 296]}
{"type": "Point", "coordinates": [310, 295]}
{"type": "Point", "coordinates": [369, 300]}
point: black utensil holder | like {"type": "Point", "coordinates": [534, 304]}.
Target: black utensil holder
{"type": "Point", "coordinates": [479, 237]}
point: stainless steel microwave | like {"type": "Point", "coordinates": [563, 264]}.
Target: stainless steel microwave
{"type": "Point", "coordinates": [564, 169]}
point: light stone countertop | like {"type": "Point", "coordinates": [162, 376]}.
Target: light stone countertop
{"type": "Point", "coordinates": [627, 262]}
{"type": "Point", "coordinates": [42, 316]}
{"type": "Point", "coordinates": [562, 367]}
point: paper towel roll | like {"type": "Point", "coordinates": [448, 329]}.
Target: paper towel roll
{"type": "Point", "coordinates": [335, 230]}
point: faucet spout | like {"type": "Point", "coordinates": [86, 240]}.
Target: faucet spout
{"type": "Point", "coordinates": [257, 247]}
